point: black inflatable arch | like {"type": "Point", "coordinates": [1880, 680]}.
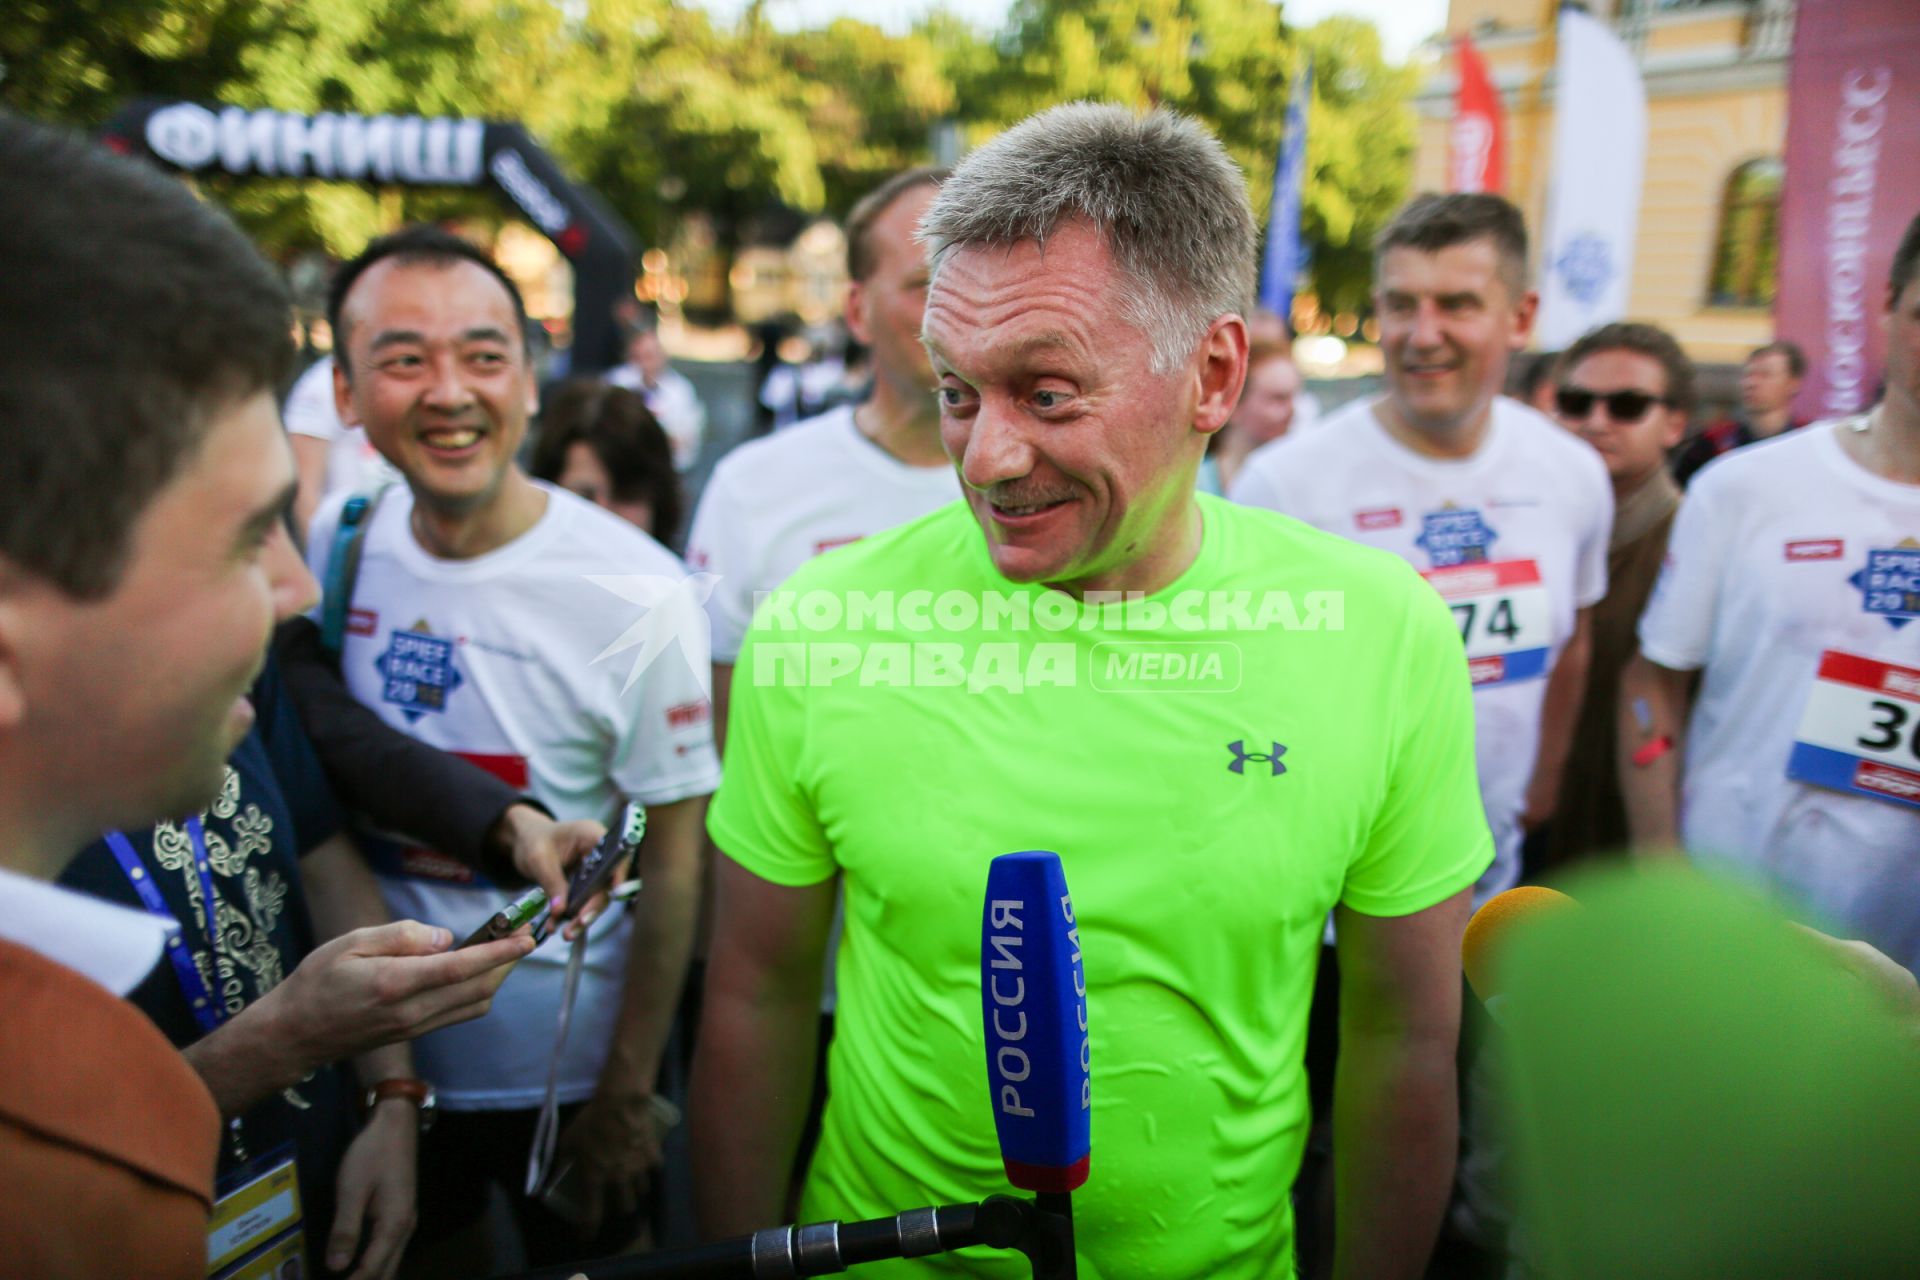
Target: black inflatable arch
{"type": "Point", "coordinates": [405, 151]}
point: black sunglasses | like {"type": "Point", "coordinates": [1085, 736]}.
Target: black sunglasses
{"type": "Point", "coordinates": [1622, 406]}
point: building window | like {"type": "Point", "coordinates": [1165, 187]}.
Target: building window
{"type": "Point", "coordinates": [1746, 256]}
{"type": "Point", "coordinates": [1641, 8]}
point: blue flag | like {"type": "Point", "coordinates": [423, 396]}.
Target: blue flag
{"type": "Point", "coordinates": [1284, 258]}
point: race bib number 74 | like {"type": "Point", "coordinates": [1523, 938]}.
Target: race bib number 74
{"type": "Point", "coordinates": [1861, 729]}
{"type": "Point", "coordinates": [1504, 618]}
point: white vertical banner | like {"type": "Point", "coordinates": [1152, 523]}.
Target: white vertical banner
{"type": "Point", "coordinates": [1599, 155]}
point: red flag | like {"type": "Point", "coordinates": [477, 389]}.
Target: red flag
{"type": "Point", "coordinates": [1476, 145]}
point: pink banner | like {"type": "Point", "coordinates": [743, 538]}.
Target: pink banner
{"type": "Point", "coordinates": [1852, 185]}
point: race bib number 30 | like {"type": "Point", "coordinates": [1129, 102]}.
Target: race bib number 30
{"type": "Point", "coordinates": [1504, 618]}
{"type": "Point", "coordinates": [1861, 730]}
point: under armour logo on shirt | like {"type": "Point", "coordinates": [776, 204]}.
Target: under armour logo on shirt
{"type": "Point", "coordinates": [1242, 757]}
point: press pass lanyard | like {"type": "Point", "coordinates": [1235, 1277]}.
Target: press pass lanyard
{"type": "Point", "coordinates": [207, 1011]}
{"type": "Point", "coordinates": [594, 873]}
{"type": "Point", "coordinates": [546, 1130]}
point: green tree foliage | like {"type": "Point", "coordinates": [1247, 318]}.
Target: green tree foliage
{"type": "Point", "coordinates": [403, 57]}
{"type": "Point", "coordinates": [1360, 143]}
{"type": "Point", "coordinates": [76, 60]}
{"type": "Point", "coordinates": [872, 101]}
{"type": "Point", "coordinates": [728, 128]}
{"type": "Point", "coordinates": [1231, 63]}
{"type": "Point", "coordinates": [657, 111]}
{"type": "Point", "coordinates": [666, 114]}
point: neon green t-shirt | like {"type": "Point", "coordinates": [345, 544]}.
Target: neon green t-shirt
{"type": "Point", "coordinates": [1287, 726]}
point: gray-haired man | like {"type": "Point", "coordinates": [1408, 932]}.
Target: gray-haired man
{"type": "Point", "coordinates": [1090, 272]}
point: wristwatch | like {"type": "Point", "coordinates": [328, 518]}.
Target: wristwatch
{"type": "Point", "coordinates": [416, 1091]}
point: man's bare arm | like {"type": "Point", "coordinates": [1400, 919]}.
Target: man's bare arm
{"type": "Point", "coordinates": [670, 870]}
{"type": "Point", "coordinates": [753, 1070]}
{"type": "Point", "coordinates": [1395, 1110]}
{"type": "Point", "coordinates": [1559, 713]}
{"type": "Point", "coordinates": [722, 699]}
{"type": "Point", "coordinates": [1653, 707]}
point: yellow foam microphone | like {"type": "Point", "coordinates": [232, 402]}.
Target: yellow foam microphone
{"type": "Point", "coordinates": [1483, 941]}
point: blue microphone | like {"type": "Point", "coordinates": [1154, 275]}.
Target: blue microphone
{"type": "Point", "coordinates": [1033, 994]}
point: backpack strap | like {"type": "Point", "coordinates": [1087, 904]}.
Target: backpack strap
{"type": "Point", "coordinates": [343, 567]}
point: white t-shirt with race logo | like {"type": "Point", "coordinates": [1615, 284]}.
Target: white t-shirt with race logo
{"type": "Point", "coordinates": [1515, 537]}
{"type": "Point", "coordinates": [1788, 558]}
{"type": "Point", "coordinates": [495, 658]}
{"type": "Point", "coordinates": [353, 464]}
{"type": "Point", "coordinates": [774, 504]}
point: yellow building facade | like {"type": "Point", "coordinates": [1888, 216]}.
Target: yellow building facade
{"type": "Point", "coordinates": [1716, 81]}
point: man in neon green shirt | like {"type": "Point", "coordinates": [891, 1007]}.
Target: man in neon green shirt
{"type": "Point", "coordinates": [1225, 722]}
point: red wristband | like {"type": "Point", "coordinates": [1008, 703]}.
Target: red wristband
{"type": "Point", "coordinates": [1652, 750]}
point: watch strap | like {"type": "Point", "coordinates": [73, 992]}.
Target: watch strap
{"type": "Point", "coordinates": [414, 1090]}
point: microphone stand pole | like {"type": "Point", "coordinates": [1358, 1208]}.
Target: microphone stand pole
{"type": "Point", "coordinates": [1053, 1257]}
{"type": "Point", "coordinates": [1042, 1230]}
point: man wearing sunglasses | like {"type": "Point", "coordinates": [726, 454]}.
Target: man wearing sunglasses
{"type": "Point", "coordinates": [1626, 389]}
{"type": "Point", "coordinates": [1503, 514]}
{"type": "Point", "coordinates": [1791, 586]}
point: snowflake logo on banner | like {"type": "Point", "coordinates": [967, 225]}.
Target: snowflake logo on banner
{"type": "Point", "coordinates": [1585, 267]}
{"type": "Point", "coordinates": [675, 611]}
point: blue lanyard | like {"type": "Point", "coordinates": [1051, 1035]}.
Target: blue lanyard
{"type": "Point", "coordinates": [207, 1011]}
